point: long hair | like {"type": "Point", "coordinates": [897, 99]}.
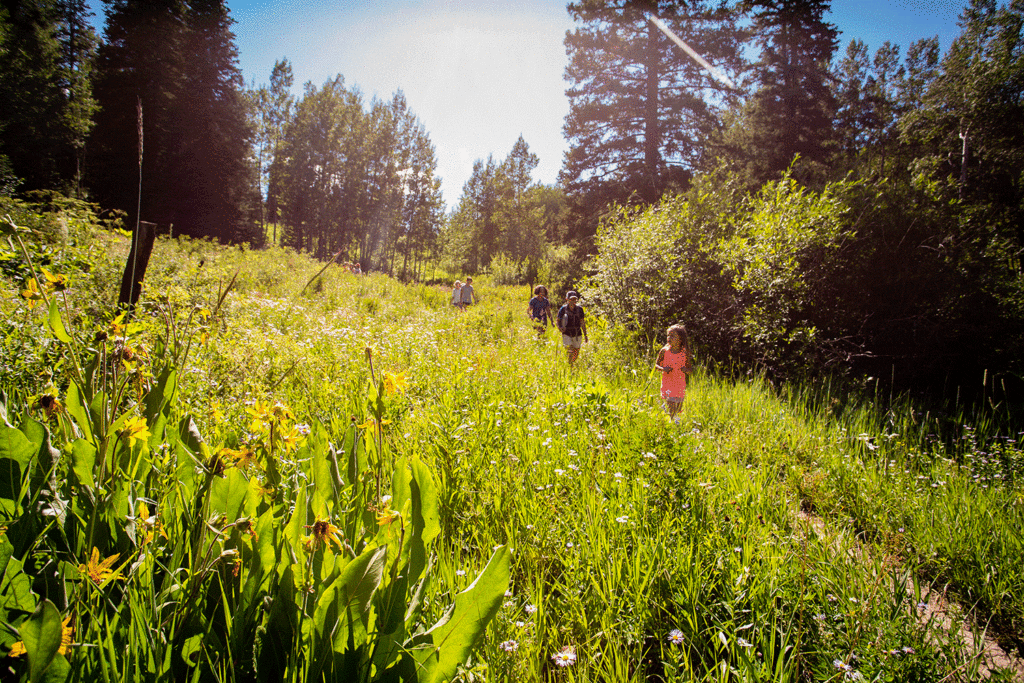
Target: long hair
{"type": "Point", "coordinates": [681, 329]}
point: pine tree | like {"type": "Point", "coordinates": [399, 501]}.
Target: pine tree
{"type": "Point", "coordinates": [179, 61]}
{"type": "Point", "coordinates": [45, 101]}
{"type": "Point", "coordinates": [791, 113]}
{"type": "Point", "coordinates": [641, 110]}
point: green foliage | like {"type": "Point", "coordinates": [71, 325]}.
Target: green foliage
{"type": "Point", "coordinates": [741, 273]}
{"type": "Point", "coordinates": [253, 480]}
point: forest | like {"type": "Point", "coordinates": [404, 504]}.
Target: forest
{"type": "Point", "coordinates": [820, 210]}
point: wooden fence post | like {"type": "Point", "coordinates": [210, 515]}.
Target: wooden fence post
{"type": "Point", "coordinates": [135, 268]}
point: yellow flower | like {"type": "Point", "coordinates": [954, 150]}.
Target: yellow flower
{"type": "Point", "coordinates": [395, 383]}
{"type": "Point", "coordinates": [324, 533]}
{"type": "Point", "coordinates": [57, 283]}
{"type": "Point", "coordinates": [216, 414]}
{"type": "Point", "coordinates": [100, 572]}
{"type": "Point", "coordinates": [385, 517]}
{"type": "Point", "coordinates": [292, 438]}
{"type": "Point", "coordinates": [371, 425]}
{"type": "Point", "coordinates": [66, 634]}
{"type": "Point", "coordinates": [31, 293]}
{"type": "Point", "coordinates": [261, 415]}
{"type": "Point", "coordinates": [281, 412]}
{"type": "Point", "coordinates": [135, 430]}
{"type": "Point", "coordinates": [243, 458]}
{"type": "Point", "coordinates": [150, 525]}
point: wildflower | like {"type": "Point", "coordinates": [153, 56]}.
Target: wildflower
{"type": "Point", "coordinates": [395, 383]}
{"type": "Point", "coordinates": [460, 572]}
{"type": "Point", "coordinates": [520, 624]}
{"type": "Point", "coordinates": [509, 646]}
{"type": "Point", "coordinates": [841, 665]}
{"type": "Point", "coordinates": [281, 412]}
{"type": "Point", "coordinates": [324, 533]}
{"type": "Point", "coordinates": [135, 430]}
{"type": "Point", "coordinates": [530, 609]}
{"type": "Point", "coordinates": [243, 458]}
{"type": "Point", "coordinates": [744, 643]}
{"type": "Point", "coordinates": [99, 572]}
{"type": "Point", "coordinates": [372, 425]}
{"type": "Point", "coordinates": [675, 637]}
{"type": "Point", "coordinates": [564, 657]}
{"type": "Point", "coordinates": [31, 293]}
{"type": "Point", "coordinates": [623, 519]}
{"type": "Point", "coordinates": [48, 403]}
{"type": "Point", "coordinates": [291, 439]}
{"type": "Point", "coordinates": [908, 650]}
{"type": "Point", "coordinates": [508, 594]}
{"type": "Point", "coordinates": [56, 283]}
{"type": "Point", "coordinates": [385, 517]}
{"type": "Point", "coordinates": [151, 525]}
{"type": "Point", "coordinates": [66, 633]}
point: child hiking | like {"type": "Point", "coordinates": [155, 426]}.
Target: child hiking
{"type": "Point", "coordinates": [538, 310]}
{"type": "Point", "coordinates": [674, 363]}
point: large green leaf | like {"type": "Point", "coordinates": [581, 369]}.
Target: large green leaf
{"type": "Point", "coordinates": [227, 494]}
{"type": "Point", "coordinates": [55, 324]}
{"type": "Point", "coordinates": [16, 446]}
{"type": "Point", "coordinates": [41, 634]}
{"type": "Point", "coordinates": [75, 407]}
{"type": "Point", "coordinates": [15, 584]}
{"type": "Point", "coordinates": [450, 641]}
{"type": "Point", "coordinates": [83, 461]}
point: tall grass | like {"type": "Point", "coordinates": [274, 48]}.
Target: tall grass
{"type": "Point", "coordinates": [769, 537]}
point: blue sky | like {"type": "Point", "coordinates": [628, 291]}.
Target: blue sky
{"type": "Point", "coordinates": [478, 73]}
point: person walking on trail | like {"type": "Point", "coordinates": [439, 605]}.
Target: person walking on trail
{"type": "Point", "coordinates": [468, 296]}
{"type": "Point", "coordinates": [674, 363]}
{"type": "Point", "coordinates": [538, 309]}
{"type": "Point", "coordinates": [457, 294]}
{"type": "Point", "coordinates": [573, 326]}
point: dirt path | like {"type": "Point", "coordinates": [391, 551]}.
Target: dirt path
{"type": "Point", "coordinates": [949, 617]}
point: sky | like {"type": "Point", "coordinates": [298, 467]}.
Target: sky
{"type": "Point", "coordinates": [480, 73]}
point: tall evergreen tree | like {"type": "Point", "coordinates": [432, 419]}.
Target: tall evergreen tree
{"type": "Point", "coordinates": [179, 61]}
{"type": "Point", "coordinates": [641, 110]}
{"type": "Point", "coordinates": [45, 101]}
{"type": "Point", "coordinates": [791, 112]}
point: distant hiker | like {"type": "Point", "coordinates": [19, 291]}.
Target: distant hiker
{"type": "Point", "coordinates": [573, 326]}
{"type": "Point", "coordinates": [457, 294]}
{"type": "Point", "coordinates": [674, 363]}
{"type": "Point", "coordinates": [539, 309]}
{"type": "Point", "coordinates": [468, 297]}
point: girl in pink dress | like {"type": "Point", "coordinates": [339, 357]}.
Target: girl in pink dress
{"type": "Point", "coordinates": [673, 362]}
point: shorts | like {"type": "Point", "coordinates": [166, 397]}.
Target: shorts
{"type": "Point", "coordinates": [572, 342]}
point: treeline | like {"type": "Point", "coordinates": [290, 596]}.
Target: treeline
{"type": "Point", "coordinates": [153, 121]}
{"type": "Point", "coordinates": [885, 190]}
{"type": "Point", "coordinates": [858, 214]}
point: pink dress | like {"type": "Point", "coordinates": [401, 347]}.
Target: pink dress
{"type": "Point", "coordinates": [673, 384]}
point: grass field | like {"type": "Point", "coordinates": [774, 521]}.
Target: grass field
{"type": "Point", "coordinates": [256, 479]}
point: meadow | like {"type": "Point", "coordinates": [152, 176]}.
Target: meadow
{"type": "Point", "coordinates": [269, 474]}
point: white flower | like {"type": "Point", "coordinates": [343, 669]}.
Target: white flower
{"type": "Point", "coordinates": [460, 572]}
{"type": "Point", "coordinates": [530, 609]}
{"type": "Point", "coordinates": [622, 520]}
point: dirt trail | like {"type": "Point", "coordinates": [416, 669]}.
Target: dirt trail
{"type": "Point", "coordinates": [950, 617]}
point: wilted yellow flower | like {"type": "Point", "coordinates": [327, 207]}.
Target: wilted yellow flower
{"type": "Point", "coordinates": [135, 429]}
{"type": "Point", "coordinates": [100, 571]}
{"type": "Point", "coordinates": [281, 412]}
{"type": "Point", "coordinates": [150, 525]}
{"type": "Point", "coordinates": [31, 293]}
{"type": "Point", "coordinates": [371, 425]}
{"type": "Point", "coordinates": [66, 634]}
{"type": "Point", "coordinates": [324, 533]}
{"type": "Point", "coordinates": [57, 283]}
{"type": "Point", "coordinates": [385, 517]}
{"type": "Point", "coordinates": [243, 458]}
{"type": "Point", "coordinates": [395, 383]}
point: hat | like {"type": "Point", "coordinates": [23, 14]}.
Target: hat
{"type": "Point", "coordinates": [572, 293]}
